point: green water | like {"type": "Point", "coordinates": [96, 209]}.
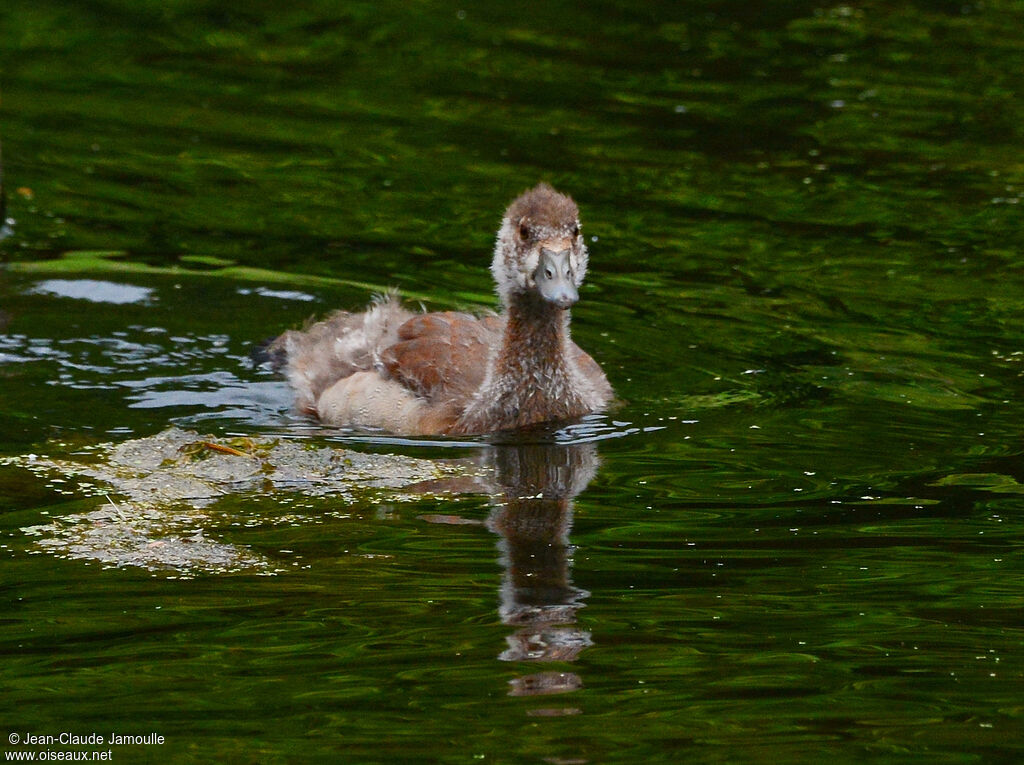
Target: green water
{"type": "Point", "coordinates": [797, 538]}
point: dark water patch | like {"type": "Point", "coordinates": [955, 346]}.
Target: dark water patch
{"type": "Point", "coordinates": [796, 536]}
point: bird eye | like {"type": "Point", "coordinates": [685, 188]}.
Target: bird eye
{"type": "Point", "coordinates": [524, 231]}
{"type": "Point", "coordinates": [576, 231]}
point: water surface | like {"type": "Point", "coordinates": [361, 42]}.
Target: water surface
{"type": "Point", "coordinates": [797, 537]}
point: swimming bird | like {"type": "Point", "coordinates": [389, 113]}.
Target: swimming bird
{"type": "Point", "coordinates": [454, 373]}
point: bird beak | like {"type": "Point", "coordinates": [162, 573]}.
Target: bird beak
{"type": "Point", "coordinates": [554, 277]}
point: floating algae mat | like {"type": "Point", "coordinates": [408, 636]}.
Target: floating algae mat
{"type": "Point", "coordinates": [158, 495]}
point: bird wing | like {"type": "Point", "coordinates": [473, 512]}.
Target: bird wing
{"type": "Point", "coordinates": [592, 371]}
{"type": "Point", "coordinates": [443, 356]}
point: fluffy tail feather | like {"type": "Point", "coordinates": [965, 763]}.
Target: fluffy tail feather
{"type": "Point", "coordinates": [315, 358]}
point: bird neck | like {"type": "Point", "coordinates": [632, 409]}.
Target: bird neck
{"type": "Point", "coordinates": [536, 340]}
{"type": "Point", "coordinates": [531, 378]}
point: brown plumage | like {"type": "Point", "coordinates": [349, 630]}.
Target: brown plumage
{"type": "Point", "coordinates": [454, 373]}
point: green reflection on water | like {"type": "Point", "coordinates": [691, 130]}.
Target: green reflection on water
{"type": "Point", "coordinates": [806, 283]}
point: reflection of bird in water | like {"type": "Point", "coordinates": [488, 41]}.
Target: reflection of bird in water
{"type": "Point", "coordinates": [533, 486]}
{"type": "Point", "coordinates": [401, 371]}
{"type": "Point", "coordinates": [538, 482]}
